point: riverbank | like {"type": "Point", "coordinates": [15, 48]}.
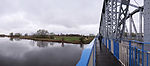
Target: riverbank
{"type": "Point", "coordinates": [62, 39]}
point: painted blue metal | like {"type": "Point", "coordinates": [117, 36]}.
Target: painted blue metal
{"type": "Point", "coordinates": [138, 57]}
{"type": "Point", "coordinates": [86, 54]}
{"type": "Point", "coordinates": [135, 51]}
{"type": "Point", "coordinates": [103, 41]}
{"type": "Point", "coordinates": [132, 56]}
{"type": "Point", "coordinates": [147, 58]}
{"type": "Point", "coordinates": [117, 49]}
{"type": "Point", "coordinates": [94, 53]}
{"type": "Point", "coordinates": [129, 53]}
{"type": "Point", "coordinates": [114, 47]}
{"type": "Point", "coordinates": [94, 61]}
{"type": "Point", "coordinates": [109, 45]}
{"type": "Point", "coordinates": [106, 42]}
{"type": "Point", "coordinates": [142, 54]}
{"type": "Point", "coordinates": [93, 58]}
{"type": "Point", "coordinates": [135, 54]}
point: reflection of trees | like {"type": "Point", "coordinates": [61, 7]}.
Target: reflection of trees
{"type": "Point", "coordinates": [11, 39]}
{"type": "Point", "coordinates": [33, 43]}
{"type": "Point", "coordinates": [62, 45]}
{"type": "Point", "coordinates": [51, 43]}
{"type": "Point", "coordinates": [17, 39]}
{"type": "Point", "coordinates": [42, 44]}
{"type": "Point", "coordinates": [81, 46]}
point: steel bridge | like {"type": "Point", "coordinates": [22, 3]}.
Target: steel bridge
{"type": "Point", "coordinates": [125, 42]}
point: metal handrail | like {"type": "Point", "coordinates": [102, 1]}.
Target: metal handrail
{"type": "Point", "coordinates": [136, 56]}
{"type": "Point", "coordinates": [87, 53]}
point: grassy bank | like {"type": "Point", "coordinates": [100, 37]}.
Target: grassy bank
{"type": "Point", "coordinates": [65, 39]}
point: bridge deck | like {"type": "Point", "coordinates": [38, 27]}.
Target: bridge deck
{"type": "Point", "coordinates": [105, 58]}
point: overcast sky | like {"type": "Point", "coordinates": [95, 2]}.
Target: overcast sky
{"type": "Point", "coordinates": [58, 16]}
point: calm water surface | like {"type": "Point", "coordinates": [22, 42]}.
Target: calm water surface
{"type": "Point", "coordinates": [37, 53]}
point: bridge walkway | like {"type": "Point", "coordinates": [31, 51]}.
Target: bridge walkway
{"type": "Point", "coordinates": [104, 57]}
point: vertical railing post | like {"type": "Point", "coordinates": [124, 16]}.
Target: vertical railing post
{"type": "Point", "coordinates": [135, 56]}
{"type": "Point", "coordinates": [147, 58]}
{"type": "Point", "coordinates": [114, 47]}
{"type": "Point", "coordinates": [94, 52]}
{"type": "Point", "coordinates": [103, 41]}
{"type": "Point", "coordinates": [138, 64]}
{"type": "Point", "coordinates": [109, 45]}
{"type": "Point", "coordinates": [117, 49]}
{"type": "Point", "coordinates": [142, 54]}
{"type": "Point", "coordinates": [132, 56]}
{"type": "Point", "coordinates": [106, 42]}
{"type": "Point", "coordinates": [129, 53]}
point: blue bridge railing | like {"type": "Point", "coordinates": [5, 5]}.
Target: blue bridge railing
{"type": "Point", "coordinates": [88, 57]}
{"type": "Point", "coordinates": [129, 53]}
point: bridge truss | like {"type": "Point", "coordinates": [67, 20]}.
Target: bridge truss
{"type": "Point", "coordinates": [114, 16]}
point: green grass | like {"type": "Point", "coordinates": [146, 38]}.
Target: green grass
{"type": "Point", "coordinates": [72, 39]}
{"type": "Point", "coordinates": [68, 39]}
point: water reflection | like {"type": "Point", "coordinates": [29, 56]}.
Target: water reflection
{"type": "Point", "coordinates": [62, 44]}
{"type": "Point", "coordinates": [81, 45]}
{"type": "Point", "coordinates": [11, 39]}
{"type": "Point", "coordinates": [42, 44]}
{"type": "Point", "coordinates": [16, 39]}
{"type": "Point", "coordinates": [38, 53]}
{"type": "Point", "coordinates": [51, 43]}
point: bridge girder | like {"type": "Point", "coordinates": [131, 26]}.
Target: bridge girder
{"type": "Point", "coordinates": [112, 22]}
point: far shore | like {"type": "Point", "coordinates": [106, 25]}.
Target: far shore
{"type": "Point", "coordinates": [60, 39]}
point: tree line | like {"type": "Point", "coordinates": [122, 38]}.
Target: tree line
{"type": "Point", "coordinates": [42, 33]}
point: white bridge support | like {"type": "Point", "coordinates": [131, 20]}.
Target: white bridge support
{"type": "Point", "coordinates": [147, 20]}
{"type": "Point", "coordinates": [147, 23]}
{"type": "Point", "coordinates": [147, 26]}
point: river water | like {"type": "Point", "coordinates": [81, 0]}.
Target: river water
{"type": "Point", "coordinates": [16, 52]}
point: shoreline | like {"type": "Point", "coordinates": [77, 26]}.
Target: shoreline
{"type": "Point", "coordinates": [60, 40]}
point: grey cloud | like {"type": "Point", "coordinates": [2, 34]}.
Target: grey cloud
{"type": "Point", "coordinates": [69, 14]}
